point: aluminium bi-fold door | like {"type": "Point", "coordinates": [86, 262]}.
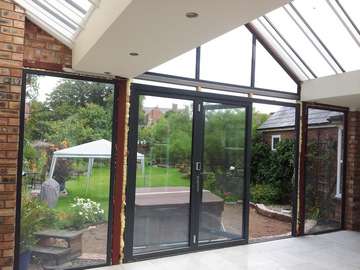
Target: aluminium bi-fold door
{"type": "Point", "coordinates": [187, 186]}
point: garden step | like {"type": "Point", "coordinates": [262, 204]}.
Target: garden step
{"type": "Point", "coordinates": [54, 255]}
{"type": "Point", "coordinates": [53, 251]}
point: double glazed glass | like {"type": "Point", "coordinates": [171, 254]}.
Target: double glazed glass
{"type": "Point", "coordinates": [221, 209]}
{"type": "Point", "coordinates": [66, 173]}
{"type": "Point", "coordinates": [324, 170]}
{"type": "Point", "coordinates": [162, 200]}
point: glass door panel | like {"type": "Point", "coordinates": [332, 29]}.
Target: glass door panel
{"type": "Point", "coordinates": [221, 208]}
{"type": "Point", "coordinates": [163, 175]}
{"type": "Point", "coordinates": [324, 170]}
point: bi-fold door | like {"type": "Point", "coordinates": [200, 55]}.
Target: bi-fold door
{"type": "Point", "coordinates": [187, 174]}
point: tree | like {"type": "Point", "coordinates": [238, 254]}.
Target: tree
{"type": "Point", "coordinates": [32, 87]}
{"type": "Point", "coordinates": [78, 93]}
{"type": "Point", "coordinates": [91, 122]}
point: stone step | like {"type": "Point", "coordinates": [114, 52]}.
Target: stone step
{"type": "Point", "coordinates": [52, 251]}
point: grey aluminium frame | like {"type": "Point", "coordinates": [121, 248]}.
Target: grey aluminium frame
{"type": "Point", "coordinates": [198, 97]}
{"type": "Point", "coordinates": [232, 88]}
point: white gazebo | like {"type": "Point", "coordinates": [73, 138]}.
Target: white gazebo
{"type": "Point", "coordinates": [97, 149]}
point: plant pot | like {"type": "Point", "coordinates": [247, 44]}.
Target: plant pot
{"type": "Point", "coordinates": [24, 260]}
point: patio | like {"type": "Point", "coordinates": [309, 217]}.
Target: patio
{"type": "Point", "coordinates": [337, 250]}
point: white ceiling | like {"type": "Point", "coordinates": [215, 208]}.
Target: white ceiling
{"type": "Point", "coordinates": [340, 90]}
{"type": "Point", "coordinates": [158, 30]}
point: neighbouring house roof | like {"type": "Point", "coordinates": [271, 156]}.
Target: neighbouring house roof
{"type": "Point", "coordinates": [285, 118]}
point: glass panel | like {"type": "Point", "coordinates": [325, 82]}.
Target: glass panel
{"type": "Point", "coordinates": [221, 210]}
{"type": "Point", "coordinates": [183, 65]}
{"type": "Point", "coordinates": [66, 173]}
{"type": "Point", "coordinates": [74, 16]}
{"type": "Point", "coordinates": [162, 201]}
{"type": "Point", "coordinates": [282, 49]}
{"type": "Point", "coordinates": [269, 74]}
{"type": "Point", "coordinates": [227, 59]}
{"type": "Point", "coordinates": [351, 8]}
{"type": "Point", "coordinates": [322, 18]}
{"type": "Point", "coordinates": [323, 170]}
{"type": "Point", "coordinates": [299, 42]}
{"type": "Point", "coordinates": [272, 171]}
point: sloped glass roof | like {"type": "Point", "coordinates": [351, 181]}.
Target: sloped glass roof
{"type": "Point", "coordinates": [64, 19]}
{"type": "Point", "coordinates": [315, 38]}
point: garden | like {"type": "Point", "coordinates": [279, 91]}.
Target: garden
{"type": "Point", "coordinates": [64, 218]}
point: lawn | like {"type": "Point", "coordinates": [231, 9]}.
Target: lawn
{"type": "Point", "coordinates": [98, 189]}
{"type": "Point", "coordinates": [161, 177]}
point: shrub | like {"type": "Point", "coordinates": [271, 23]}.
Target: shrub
{"type": "Point", "coordinates": [264, 193]}
{"type": "Point", "coordinates": [274, 168]}
{"type": "Point", "coordinates": [85, 212]}
{"type": "Point", "coordinates": [35, 216]}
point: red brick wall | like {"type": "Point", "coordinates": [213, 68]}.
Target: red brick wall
{"type": "Point", "coordinates": [285, 135]}
{"type": "Point", "coordinates": [352, 192]}
{"type": "Point", "coordinates": [12, 20]}
{"type": "Point", "coordinates": [22, 43]}
{"type": "Point", "coordinates": [44, 51]}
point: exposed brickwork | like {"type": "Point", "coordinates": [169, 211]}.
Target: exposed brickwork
{"type": "Point", "coordinates": [352, 210]}
{"type": "Point", "coordinates": [12, 21]}
{"type": "Point", "coordinates": [44, 51]}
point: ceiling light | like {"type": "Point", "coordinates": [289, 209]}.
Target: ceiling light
{"type": "Point", "coordinates": [133, 54]}
{"type": "Point", "coordinates": [192, 15]}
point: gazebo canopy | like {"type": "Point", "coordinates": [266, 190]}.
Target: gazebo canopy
{"type": "Point", "coordinates": [96, 149]}
{"type": "Point", "coordinates": [91, 150]}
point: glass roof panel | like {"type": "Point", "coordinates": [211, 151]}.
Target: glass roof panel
{"type": "Point", "coordinates": [332, 31]}
{"type": "Point", "coordinates": [227, 59]}
{"type": "Point", "coordinates": [269, 74]}
{"type": "Point", "coordinates": [352, 7]}
{"type": "Point", "coordinates": [63, 19]}
{"type": "Point", "coordinates": [182, 66]}
{"type": "Point", "coordinates": [315, 38]}
{"type": "Point", "coordinates": [297, 39]}
{"type": "Point", "coordinates": [282, 49]}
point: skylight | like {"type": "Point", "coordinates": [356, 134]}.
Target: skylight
{"type": "Point", "coordinates": [315, 38]}
{"type": "Point", "coordinates": [64, 19]}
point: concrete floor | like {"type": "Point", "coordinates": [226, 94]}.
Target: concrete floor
{"type": "Point", "coordinates": [331, 251]}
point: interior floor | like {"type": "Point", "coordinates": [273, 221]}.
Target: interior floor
{"type": "Point", "coordinates": [338, 250]}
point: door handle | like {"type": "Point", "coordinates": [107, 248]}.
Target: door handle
{"type": "Point", "coordinates": [198, 166]}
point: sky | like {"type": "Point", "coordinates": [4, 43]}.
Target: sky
{"type": "Point", "coordinates": [225, 59]}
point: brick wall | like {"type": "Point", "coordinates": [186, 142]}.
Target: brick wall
{"type": "Point", "coordinates": [12, 21]}
{"type": "Point", "coordinates": [43, 51]}
{"type": "Point", "coordinates": [352, 193]}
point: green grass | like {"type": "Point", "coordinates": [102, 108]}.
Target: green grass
{"type": "Point", "coordinates": [161, 177]}
{"type": "Point", "coordinates": [98, 189]}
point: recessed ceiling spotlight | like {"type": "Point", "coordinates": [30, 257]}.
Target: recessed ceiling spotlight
{"type": "Point", "coordinates": [133, 54]}
{"type": "Point", "coordinates": [191, 15]}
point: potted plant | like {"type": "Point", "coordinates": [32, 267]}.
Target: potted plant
{"type": "Point", "coordinates": [35, 216]}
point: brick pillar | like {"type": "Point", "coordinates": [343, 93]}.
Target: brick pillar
{"type": "Point", "coordinates": [352, 192]}
{"type": "Point", "coordinates": [12, 20]}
